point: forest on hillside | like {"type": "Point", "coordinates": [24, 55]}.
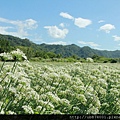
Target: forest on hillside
{"type": "Point", "coordinates": [68, 53]}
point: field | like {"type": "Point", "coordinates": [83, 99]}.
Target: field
{"type": "Point", "coordinates": [59, 88]}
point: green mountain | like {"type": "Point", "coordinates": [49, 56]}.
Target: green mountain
{"type": "Point", "coordinates": [8, 42]}
{"type": "Point", "coordinates": [84, 52]}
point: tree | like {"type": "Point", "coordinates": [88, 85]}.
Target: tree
{"type": "Point", "coordinates": [4, 46]}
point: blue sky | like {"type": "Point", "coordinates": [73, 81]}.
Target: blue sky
{"type": "Point", "coordinates": [94, 23]}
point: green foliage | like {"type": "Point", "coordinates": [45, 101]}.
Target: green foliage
{"type": "Point", "coordinates": [5, 46]}
{"type": "Point", "coordinates": [113, 61]}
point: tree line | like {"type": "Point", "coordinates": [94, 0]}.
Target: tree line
{"type": "Point", "coordinates": [35, 53]}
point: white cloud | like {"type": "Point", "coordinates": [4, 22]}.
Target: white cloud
{"type": "Point", "coordinates": [101, 21]}
{"type": "Point", "coordinates": [82, 23]}
{"type": "Point", "coordinates": [107, 28]}
{"type": "Point", "coordinates": [57, 43]}
{"type": "Point", "coordinates": [55, 32]}
{"type": "Point", "coordinates": [116, 38]}
{"type": "Point", "coordinates": [20, 27]}
{"type": "Point", "coordinates": [66, 15]}
{"type": "Point", "coordinates": [62, 25]}
{"type": "Point", "coordinates": [82, 42]}
{"type": "Point", "coordinates": [88, 43]}
{"type": "Point", "coordinates": [28, 24]}
{"type": "Point", "coordinates": [93, 44]}
{"type": "Point", "coordinates": [3, 29]}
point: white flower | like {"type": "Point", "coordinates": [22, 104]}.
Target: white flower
{"type": "Point", "coordinates": [11, 112]}
{"type": "Point", "coordinates": [102, 83]}
{"type": "Point", "coordinates": [50, 106]}
{"type": "Point", "coordinates": [18, 52]}
{"type": "Point", "coordinates": [65, 102]}
{"type": "Point", "coordinates": [114, 92]}
{"type": "Point", "coordinates": [53, 97]}
{"type": "Point", "coordinates": [89, 60]}
{"type": "Point", "coordinates": [76, 109]}
{"type": "Point", "coordinates": [12, 90]}
{"type": "Point", "coordinates": [6, 56]}
{"type": "Point", "coordinates": [2, 112]}
{"type": "Point", "coordinates": [56, 112]}
{"type": "Point", "coordinates": [66, 77]}
{"type": "Point", "coordinates": [93, 110]}
{"type": "Point", "coordinates": [102, 91]}
{"type": "Point", "coordinates": [78, 63]}
{"type": "Point", "coordinates": [28, 109]}
{"type": "Point", "coordinates": [82, 98]}
{"type": "Point", "coordinates": [38, 108]}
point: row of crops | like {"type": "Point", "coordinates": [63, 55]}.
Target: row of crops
{"type": "Point", "coordinates": [59, 88]}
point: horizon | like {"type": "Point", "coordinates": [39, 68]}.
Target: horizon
{"type": "Point", "coordinates": [84, 23]}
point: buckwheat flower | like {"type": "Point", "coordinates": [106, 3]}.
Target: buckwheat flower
{"type": "Point", "coordinates": [78, 63]}
{"type": "Point", "coordinates": [102, 91]}
{"type": "Point", "coordinates": [66, 77]}
{"type": "Point", "coordinates": [15, 100]}
{"type": "Point", "coordinates": [41, 102]}
{"type": "Point", "coordinates": [89, 60]}
{"type": "Point", "coordinates": [76, 109]}
{"type": "Point", "coordinates": [25, 81]}
{"type": "Point", "coordinates": [50, 106]}
{"type": "Point", "coordinates": [105, 105]}
{"type": "Point", "coordinates": [81, 98]}
{"type": "Point", "coordinates": [98, 104]}
{"type": "Point", "coordinates": [93, 79]}
{"type": "Point", "coordinates": [68, 91]}
{"type": "Point", "coordinates": [35, 94]}
{"type": "Point", "coordinates": [38, 108]}
{"type": "Point", "coordinates": [12, 90]}
{"type": "Point", "coordinates": [118, 104]}
{"type": "Point", "coordinates": [25, 58]}
{"type": "Point", "coordinates": [89, 95]}
{"type": "Point", "coordinates": [116, 86]}
{"type": "Point", "coordinates": [56, 112]}
{"type": "Point", "coordinates": [77, 81]}
{"type": "Point", "coordinates": [6, 68]}
{"type": "Point", "coordinates": [48, 87]}
{"type": "Point", "coordinates": [2, 112]}
{"type": "Point", "coordinates": [114, 92]}
{"type": "Point", "coordinates": [42, 90]}
{"type": "Point", "coordinates": [53, 97]}
{"type": "Point", "coordinates": [90, 89]}
{"type": "Point", "coordinates": [53, 75]}
{"type": "Point", "coordinates": [48, 69]}
{"type": "Point", "coordinates": [28, 109]}
{"type": "Point", "coordinates": [102, 83]}
{"type": "Point", "coordinates": [56, 83]}
{"type": "Point", "coordinates": [6, 56]}
{"type": "Point", "coordinates": [11, 113]}
{"type": "Point", "coordinates": [93, 110]}
{"type": "Point", "coordinates": [65, 102]}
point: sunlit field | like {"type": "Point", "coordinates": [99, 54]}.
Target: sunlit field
{"type": "Point", "coordinates": [59, 88]}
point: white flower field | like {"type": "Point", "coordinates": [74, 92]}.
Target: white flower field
{"type": "Point", "coordinates": [59, 88]}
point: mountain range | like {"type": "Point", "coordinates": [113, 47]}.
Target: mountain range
{"type": "Point", "coordinates": [64, 50]}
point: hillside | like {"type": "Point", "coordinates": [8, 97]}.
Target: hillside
{"type": "Point", "coordinates": [64, 50]}
{"type": "Point", "coordinates": [69, 50]}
